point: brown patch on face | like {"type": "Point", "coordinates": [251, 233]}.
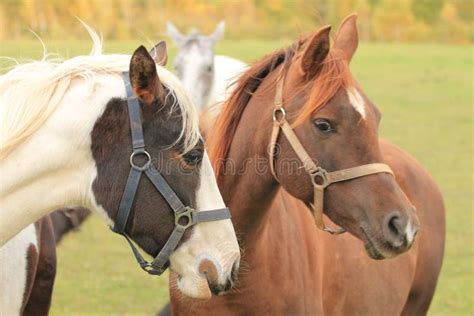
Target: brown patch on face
{"type": "Point", "coordinates": [151, 219]}
{"type": "Point", "coordinates": [208, 268]}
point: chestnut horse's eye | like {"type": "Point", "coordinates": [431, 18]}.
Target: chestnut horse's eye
{"type": "Point", "coordinates": [194, 157]}
{"type": "Point", "coordinates": [323, 126]}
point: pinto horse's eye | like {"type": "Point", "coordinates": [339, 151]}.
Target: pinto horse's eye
{"type": "Point", "coordinates": [323, 126]}
{"type": "Point", "coordinates": [194, 157]}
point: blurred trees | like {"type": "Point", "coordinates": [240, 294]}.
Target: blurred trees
{"type": "Point", "coordinates": [379, 20]}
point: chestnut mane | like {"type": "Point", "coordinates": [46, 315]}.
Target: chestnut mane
{"type": "Point", "coordinates": [332, 75]}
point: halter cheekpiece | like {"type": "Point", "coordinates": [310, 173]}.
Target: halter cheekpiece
{"type": "Point", "coordinates": [320, 178]}
{"type": "Point", "coordinates": [184, 216]}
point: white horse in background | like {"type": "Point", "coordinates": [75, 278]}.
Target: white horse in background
{"type": "Point", "coordinates": [207, 77]}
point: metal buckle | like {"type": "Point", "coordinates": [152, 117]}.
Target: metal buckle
{"type": "Point", "coordinates": [153, 270]}
{"type": "Point", "coordinates": [275, 114]}
{"type": "Point", "coordinates": [321, 174]}
{"type": "Point", "coordinates": [188, 213]}
{"type": "Point", "coordinates": [146, 165]}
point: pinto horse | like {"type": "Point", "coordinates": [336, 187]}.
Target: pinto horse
{"type": "Point", "coordinates": [28, 262]}
{"type": "Point", "coordinates": [291, 267]}
{"type": "Point", "coordinates": [71, 133]}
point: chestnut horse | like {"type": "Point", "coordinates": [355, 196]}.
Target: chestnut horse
{"type": "Point", "coordinates": [292, 268]}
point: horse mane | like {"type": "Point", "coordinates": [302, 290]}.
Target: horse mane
{"type": "Point", "coordinates": [30, 93]}
{"type": "Point", "coordinates": [333, 74]}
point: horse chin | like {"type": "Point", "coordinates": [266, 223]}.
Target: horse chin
{"type": "Point", "coordinates": [374, 249]}
{"type": "Point", "coordinates": [194, 286]}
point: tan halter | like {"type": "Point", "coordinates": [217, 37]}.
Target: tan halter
{"type": "Point", "coordinates": [319, 177]}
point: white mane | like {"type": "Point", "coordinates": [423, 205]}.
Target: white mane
{"type": "Point", "coordinates": [30, 93]}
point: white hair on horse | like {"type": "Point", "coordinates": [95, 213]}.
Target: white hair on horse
{"type": "Point", "coordinates": [31, 92]}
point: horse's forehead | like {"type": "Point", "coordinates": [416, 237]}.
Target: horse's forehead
{"type": "Point", "coordinates": [349, 100]}
{"type": "Point", "coordinates": [357, 101]}
{"type": "Point", "coordinates": [196, 45]}
{"type": "Point", "coordinates": [353, 99]}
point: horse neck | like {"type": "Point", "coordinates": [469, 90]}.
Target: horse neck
{"type": "Point", "coordinates": [249, 187]}
{"type": "Point", "coordinates": [54, 168]}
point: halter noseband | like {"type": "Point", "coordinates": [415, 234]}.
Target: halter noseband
{"type": "Point", "coordinates": [190, 215]}
{"type": "Point", "coordinates": [320, 178]}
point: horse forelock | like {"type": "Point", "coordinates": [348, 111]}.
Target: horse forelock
{"type": "Point", "coordinates": [196, 39]}
{"type": "Point", "coordinates": [333, 75]}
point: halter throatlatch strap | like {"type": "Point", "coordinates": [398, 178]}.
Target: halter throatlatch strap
{"type": "Point", "coordinates": [184, 216]}
{"type": "Point", "coordinates": [320, 178]}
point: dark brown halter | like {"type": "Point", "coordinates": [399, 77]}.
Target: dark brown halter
{"type": "Point", "coordinates": [320, 178]}
{"type": "Point", "coordinates": [191, 216]}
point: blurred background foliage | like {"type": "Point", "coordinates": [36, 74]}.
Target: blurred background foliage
{"type": "Point", "coordinates": [445, 21]}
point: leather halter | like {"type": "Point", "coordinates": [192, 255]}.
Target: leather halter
{"type": "Point", "coordinates": [320, 178]}
{"type": "Point", "coordinates": [184, 216]}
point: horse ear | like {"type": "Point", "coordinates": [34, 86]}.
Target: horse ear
{"type": "Point", "coordinates": [159, 53]}
{"type": "Point", "coordinates": [143, 76]}
{"type": "Point", "coordinates": [315, 52]}
{"type": "Point", "coordinates": [218, 33]}
{"type": "Point", "coordinates": [347, 38]}
{"type": "Point", "coordinates": [173, 32]}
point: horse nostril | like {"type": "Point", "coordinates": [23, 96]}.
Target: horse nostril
{"type": "Point", "coordinates": [228, 285]}
{"type": "Point", "coordinates": [208, 268]}
{"type": "Point", "coordinates": [215, 289]}
{"type": "Point", "coordinates": [235, 271]}
{"type": "Point", "coordinates": [395, 226]}
{"type": "Point", "coordinates": [210, 271]}
{"type": "Point", "coordinates": [393, 230]}
{"type": "Point", "coordinates": [219, 289]}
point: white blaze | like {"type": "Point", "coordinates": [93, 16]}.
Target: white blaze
{"type": "Point", "coordinates": [357, 101]}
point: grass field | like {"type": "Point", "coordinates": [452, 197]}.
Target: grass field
{"type": "Point", "coordinates": [426, 95]}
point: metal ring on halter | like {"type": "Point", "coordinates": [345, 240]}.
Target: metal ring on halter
{"type": "Point", "coordinates": [146, 165]}
{"type": "Point", "coordinates": [275, 113]}
{"type": "Point", "coordinates": [320, 173]}
{"type": "Point", "coordinates": [188, 213]}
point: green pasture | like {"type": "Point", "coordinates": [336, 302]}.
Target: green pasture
{"type": "Point", "coordinates": [426, 95]}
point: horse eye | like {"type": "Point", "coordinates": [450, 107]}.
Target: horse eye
{"type": "Point", "coordinates": [194, 157]}
{"type": "Point", "coordinates": [209, 68]}
{"type": "Point", "coordinates": [323, 126]}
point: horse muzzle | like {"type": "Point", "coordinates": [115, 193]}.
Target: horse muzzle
{"type": "Point", "coordinates": [395, 237]}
